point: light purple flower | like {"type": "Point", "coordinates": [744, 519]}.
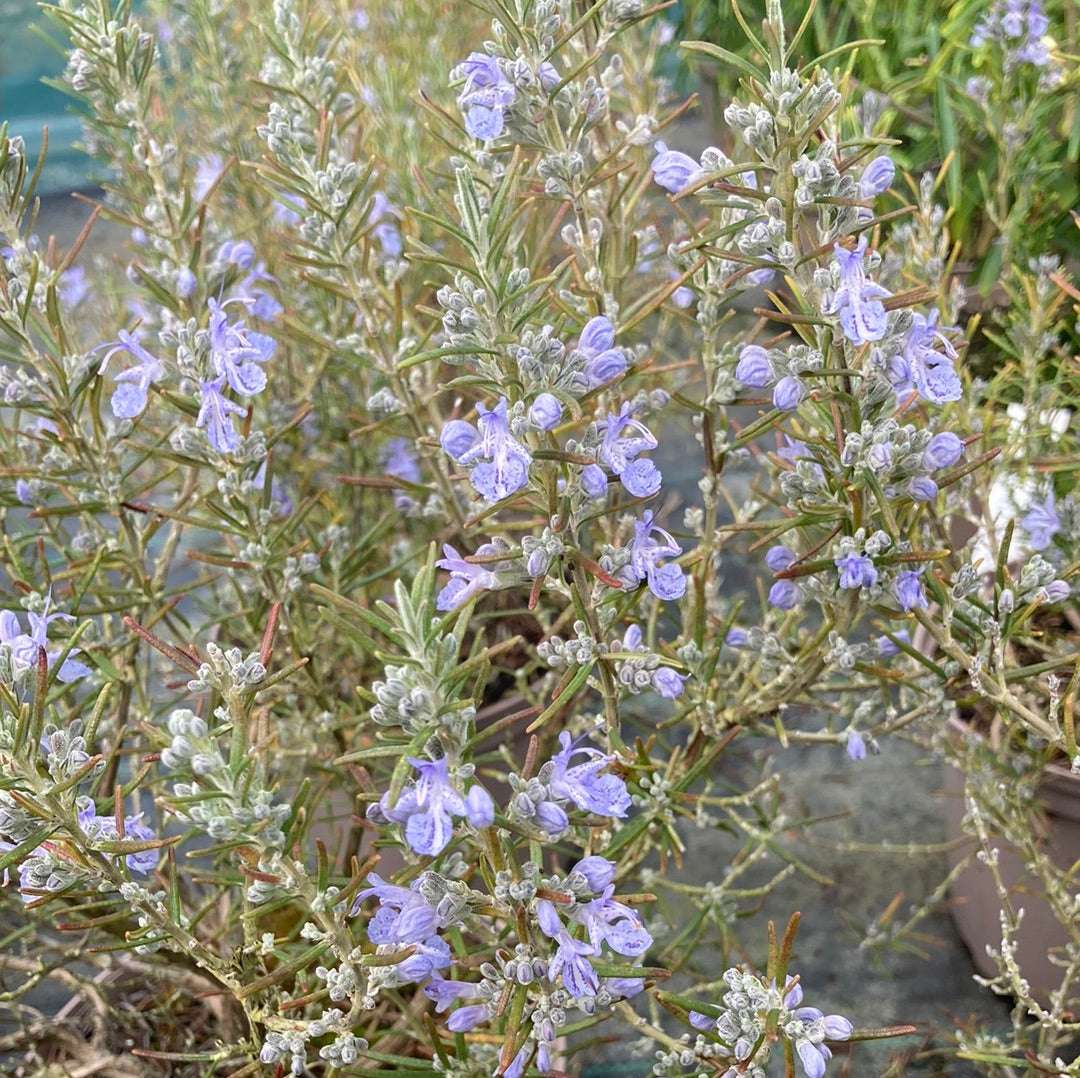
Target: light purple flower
{"type": "Point", "coordinates": [25, 647]}
{"type": "Point", "coordinates": [444, 993]}
{"type": "Point", "coordinates": [466, 578]}
{"type": "Point", "coordinates": [403, 916]}
{"type": "Point", "coordinates": [237, 352]}
{"type": "Point", "coordinates": [431, 955]}
{"type": "Point", "coordinates": [613, 923]}
{"type": "Point", "coordinates": [237, 253]}
{"type": "Point", "coordinates": [927, 362]}
{"type": "Point", "coordinates": [943, 451]}
{"type": "Point", "coordinates": [598, 335]}
{"type": "Point", "coordinates": [667, 582]}
{"type": "Point", "coordinates": [597, 871]}
{"type": "Point", "coordinates": [604, 362]}
{"type": "Point", "coordinates": [594, 481]}
{"type": "Point", "coordinates": [856, 745]}
{"type": "Point", "coordinates": [486, 96]}
{"type": "Point", "coordinates": [908, 590]}
{"type": "Point", "coordinates": [383, 216]}
{"type": "Point", "coordinates": [674, 170]}
{"type": "Point", "coordinates": [479, 807]}
{"type": "Point", "coordinates": [1042, 523]}
{"type": "Point", "coordinates": [668, 683]}
{"type": "Point", "coordinates": [784, 595]}
{"type": "Point", "coordinates": [570, 960]}
{"type": "Point", "coordinates": [500, 462]}
{"type": "Point", "coordinates": [624, 438]}
{"type": "Point", "coordinates": [858, 299]}
{"type": "Point", "coordinates": [427, 807]}
{"type": "Point", "coordinates": [551, 817]}
{"type": "Point", "coordinates": [73, 287]}
{"type": "Point", "coordinates": [207, 171]}
{"type": "Point", "coordinates": [400, 461]}
{"type": "Point", "coordinates": [130, 396]}
{"type": "Point", "coordinates": [815, 1057]}
{"type": "Point", "coordinates": [793, 451]}
{"type": "Point", "coordinates": [778, 558]}
{"type": "Point", "coordinates": [286, 211]}
{"type": "Point", "coordinates": [789, 393]}
{"type": "Point", "coordinates": [103, 828]}
{"type": "Point", "coordinates": [546, 411]}
{"type": "Point", "coordinates": [466, 1018]}
{"type": "Point", "coordinates": [215, 416]}
{"type": "Point", "coordinates": [737, 638]}
{"type": "Point", "coordinates": [624, 987]}
{"type": "Point", "coordinates": [754, 368]}
{"type": "Point", "coordinates": [1057, 591]}
{"type": "Point", "coordinates": [886, 648]}
{"type": "Point", "coordinates": [877, 177]}
{"type": "Point", "coordinates": [457, 438]}
{"type": "Point", "coordinates": [186, 282]}
{"type": "Point", "coordinates": [548, 75]}
{"type": "Point", "coordinates": [856, 571]}
{"type": "Point", "coordinates": [923, 489]}
{"type": "Point", "coordinates": [586, 784]}
{"type": "Point", "coordinates": [517, 1064]}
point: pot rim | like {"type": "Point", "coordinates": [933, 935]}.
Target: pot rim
{"type": "Point", "coordinates": [1059, 788]}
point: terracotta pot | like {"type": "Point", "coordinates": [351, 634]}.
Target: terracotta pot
{"type": "Point", "coordinates": [975, 906]}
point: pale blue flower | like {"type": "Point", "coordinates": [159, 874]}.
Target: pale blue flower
{"type": "Point", "coordinates": [594, 481]}
{"type": "Point", "coordinates": [624, 439]}
{"type": "Point", "coordinates": [877, 177]}
{"type": "Point", "coordinates": [778, 558]}
{"type": "Point", "coordinates": [73, 286]}
{"type": "Point", "coordinates": [927, 362]}
{"type": "Point", "coordinates": [103, 828]}
{"type": "Point", "coordinates": [237, 352]}
{"type": "Point", "coordinates": [588, 784]}
{"type": "Point", "coordinates": [486, 96]}
{"type": "Point", "coordinates": [673, 170]}
{"type": "Point", "coordinates": [500, 463]}
{"type": "Point", "coordinates": [856, 571]}
{"type": "Point", "coordinates": [597, 871]}
{"type": "Point", "coordinates": [754, 368]}
{"type": "Point", "coordinates": [784, 595]}
{"type": "Point", "coordinates": [571, 958]}
{"type": "Point", "coordinates": [858, 299]}
{"type": "Point", "coordinates": [546, 412]}
{"type": "Point", "coordinates": [604, 362]}
{"type": "Point", "coordinates": [207, 171]}
{"type": "Point", "coordinates": [613, 923]}
{"type": "Point", "coordinates": [25, 647]}
{"type": "Point", "coordinates": [943, 451]}
{"type": "Point", "coordinates": [215, 416]}
{"type": "Point", "coordinates": [666, 581]}
{"type": "Point", "coordinates": [788, 393]}
{"type": "Point", "coordinates": [1042, 523]}
{"type": "Point", "coordinates": [668, 683]}
{"type": "Point", "coordinates": [129, 399]}
{"type": "Point", "coordinates": [908, 590]}
{"type": "Point", "coordinates": [856, 745]}
{"type": "Point", "coordinates": [466, 578]}
{"type": "Point", "coordinates": [426, 807]}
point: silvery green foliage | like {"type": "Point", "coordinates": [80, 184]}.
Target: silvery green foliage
{"type": "Point", "coordinates": [363, 673]}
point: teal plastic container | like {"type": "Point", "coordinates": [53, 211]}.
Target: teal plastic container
{"type": "Point", "coordinates": [28, 105]}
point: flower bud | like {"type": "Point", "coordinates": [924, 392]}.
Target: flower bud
{"type": "Point", "coordinates": [546, 411]}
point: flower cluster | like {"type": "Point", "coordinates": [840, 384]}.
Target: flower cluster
{"type": "Point", "coordinates": [425, 525]}
{"type": "Point", "coordinates": [749, 1005]}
